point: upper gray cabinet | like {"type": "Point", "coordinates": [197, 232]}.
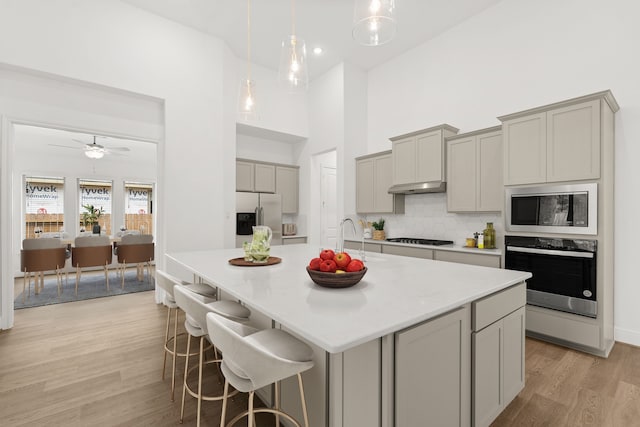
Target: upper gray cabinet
{"type": "Point", "coordinates": [558, 142]}
{"type": "Point", "coordinates": [474, 171]}
{"type": "Point", "coordinates": [373, 179]}
{"type": "Point", "coordinates": [287, 187]}
{"type": "Point", "coordinates": [255, 177]}
{"type": "Point", "coordinates": [420, 156]}
{"type": "Point", "coordinates": [259, 177]}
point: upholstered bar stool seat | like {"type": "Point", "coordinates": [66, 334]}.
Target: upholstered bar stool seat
{"type": "Point", "coordinates": [254, 359]}
{"type": "Point", "coordinates": [167, 282]}
{"type": "Point", "coordinates": [196, 308]}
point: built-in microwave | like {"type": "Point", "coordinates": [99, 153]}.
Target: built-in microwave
{"type": "Point", "coordinates": [570, 208]}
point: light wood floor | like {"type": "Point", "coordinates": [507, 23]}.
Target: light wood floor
{"type": "Point", "coordinates": [568, 388]}
{"type": "Point", "coordinates": [94, 362]}
{"type": "Point", "coordinates": [99, 362]}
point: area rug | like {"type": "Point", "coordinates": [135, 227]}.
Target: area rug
{"type": "Point", "coordinates": [90, 286]}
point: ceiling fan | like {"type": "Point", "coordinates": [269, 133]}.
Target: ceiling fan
{"type": "Point", "coordinates": [95, 150]}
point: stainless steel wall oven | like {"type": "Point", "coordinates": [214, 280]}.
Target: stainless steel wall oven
{"type": "Point", "coordinates": [564, 272]}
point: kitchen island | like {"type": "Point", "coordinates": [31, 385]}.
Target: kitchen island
{"type": "Point", "coordinates": [379, 343]}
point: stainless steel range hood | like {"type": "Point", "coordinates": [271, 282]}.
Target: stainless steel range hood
{"type": "Point", "coordinates": [419, 187]}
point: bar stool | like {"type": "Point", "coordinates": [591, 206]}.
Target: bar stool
{"type": "Point", "coordinates": [254, 359]}
{"type": "Point", "coordinates": [196, 308]}
{"type": "Point", "coordinates": [168, 282]}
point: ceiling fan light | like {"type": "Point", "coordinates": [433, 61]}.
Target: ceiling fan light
{"type": "Point", "coordinates": [374, 22]}
{"type": "Point", "coordinates": [94, 152]}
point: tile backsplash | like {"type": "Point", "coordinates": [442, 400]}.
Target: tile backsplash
{"type": "Point", "coordinates": [426, 216]}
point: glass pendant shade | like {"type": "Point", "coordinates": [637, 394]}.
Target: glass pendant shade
{"type": "Point", "coordinates": [247, 90]}
{"type": "Point", "coordinates": [247, 99]}
{"type": "Point", "coordinates": [374, 22]}
{"type": "Point", "coordinates": [292, 72]}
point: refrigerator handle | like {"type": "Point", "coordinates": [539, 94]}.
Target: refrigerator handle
{"type": "Point", "coordinates": [257, 214]}
{"type": "Point", "coordinates": [261, 215]}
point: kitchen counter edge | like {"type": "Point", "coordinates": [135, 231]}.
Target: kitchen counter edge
{"type": "Point", "coordinates": [451, 248]}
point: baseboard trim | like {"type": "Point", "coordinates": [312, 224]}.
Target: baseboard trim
{"type": "Point", "coordinates": [627, 336]}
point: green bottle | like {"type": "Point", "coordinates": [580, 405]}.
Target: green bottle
{"type": "Point", "coordinates": [489, 236]}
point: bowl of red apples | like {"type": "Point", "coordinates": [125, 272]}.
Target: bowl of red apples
{"type": "Point", "coordinates": [336, 270]}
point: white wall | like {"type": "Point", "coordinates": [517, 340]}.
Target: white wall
{"type": "Point", "coordinates": [517, 55]}
{"type": "Point", "coordinates": [277, 109]}
{"type": "Point", "coordinates": [326, 133]}
{"type": "Point", "coordinates": [265, 150]}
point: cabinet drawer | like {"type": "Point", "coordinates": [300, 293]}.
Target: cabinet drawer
{"type": "Point", "coordinates": [467, 258]}
{"type": "Point", "coordinates": [368, 247]}
{"type": "Point", "coordinates": [408, 251]}
{"type": "Point", "coordinates": [498, 305]}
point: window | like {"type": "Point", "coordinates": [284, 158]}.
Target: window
{"type": "Point", "coordinates": [44, 206]}
{"type": "Point", "coordinates": [138, 207]}
{"type": "Point", "coordinates": [98, 195]}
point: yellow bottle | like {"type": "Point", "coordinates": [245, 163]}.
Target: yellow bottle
{"type": "Point", "coordinates": [489, 236]}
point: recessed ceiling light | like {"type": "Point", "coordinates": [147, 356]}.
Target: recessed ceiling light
{"type": "Point", "coordinates": [317, 50]}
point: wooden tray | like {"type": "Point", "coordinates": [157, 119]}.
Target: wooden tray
{"type": "Point", "coordinates": [242, 263]}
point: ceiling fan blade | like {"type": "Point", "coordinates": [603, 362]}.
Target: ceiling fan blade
{"type": "Point", "coordinates": [64, 146]}
{"type": "Point", "coordinates": [81, 142]}
{"type": "Point", "coordinates": [119, 148]}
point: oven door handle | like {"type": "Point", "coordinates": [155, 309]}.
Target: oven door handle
{"type": "Point", "coordinates": [574, 254]}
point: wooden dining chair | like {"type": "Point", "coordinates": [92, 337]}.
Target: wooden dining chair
{"type": "Point", "coordinates": [36, 257]}
{"type": "Point", "coordinates": [135, 249]}
{"type": "Point", "coordinates": [91, 251]}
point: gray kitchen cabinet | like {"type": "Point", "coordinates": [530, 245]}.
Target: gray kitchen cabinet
{"type": "Point", "coordinates": [474, 171]}
{"type": "Point", "coordinates": [287, 187]}
{"type": "Point", "coordinates": [558, 142]}
{"type": "Point", "coordinates": [368, 247]}
{"type": "Point", "coordinates": [255, 177]}
{"type": "Point", "coordinates": [265, 178]}
{"type": "Point", "coordinates": [432, 368]}
{"type": "Point", "coordinates": [294, 240]}
{"type": "Point", "coordinates": [420, 156]}
{"type": "Point", "coordinates": [373, 179]}
{"type": "Point", "coordinates": [244, 175]}
{"type": "Point", "coordinates": [408, 251]}
{"type": "Point", "coordinates": [498, 369]}
{"type": "Point", "coordinates": [485, 260]}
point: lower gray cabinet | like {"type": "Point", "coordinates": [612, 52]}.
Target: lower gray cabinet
{"type": "Point", "coordinates": [481, 259]}
{"type": "Point", "coordinates": [408, 251]}
{"type": "Point", "coordinates": [432, 366]}
{"type": "Point", "coordinates": [498, 366]}
{"type": "Point", "coordinates": [294, 240]}
{"type": "Point", "coordinates": [368, 247]}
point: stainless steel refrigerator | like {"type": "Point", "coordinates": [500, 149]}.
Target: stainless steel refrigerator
{"type": "Point", "coordinates": [258, 209]}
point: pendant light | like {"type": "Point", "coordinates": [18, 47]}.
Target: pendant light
{"type": "Point", "coordinates": [292, 72]}
{"type": "Point", "coordinates": [247, 93]}
{"type": "Point", "coordinates": [374, 21]}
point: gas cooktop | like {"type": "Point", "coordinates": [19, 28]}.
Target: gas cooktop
{"type": "Point", "coordinates": [416, 241]}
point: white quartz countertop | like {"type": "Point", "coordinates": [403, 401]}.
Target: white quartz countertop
{"type": "Point", "coordinates": [452, 248]}
{"type": "Point", "coordinates": [397, 292]}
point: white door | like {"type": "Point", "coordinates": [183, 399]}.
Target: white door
{"type": "Point", "coordinates": [329, 214]}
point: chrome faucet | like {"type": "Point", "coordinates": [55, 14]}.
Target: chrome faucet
{"type": "Point", "coordinates": [340, 245]}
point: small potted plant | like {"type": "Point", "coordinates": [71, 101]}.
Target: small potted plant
{"type": "Point", "coordinates": [378, 229]}
{"type": "Point", "coordinates": [91, 217]}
